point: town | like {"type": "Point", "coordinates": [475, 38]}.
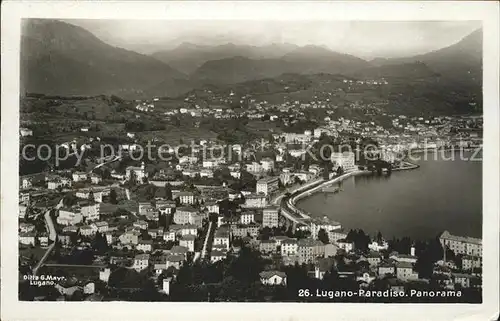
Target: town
{"type": "Point", "coordinates": [225, 227]}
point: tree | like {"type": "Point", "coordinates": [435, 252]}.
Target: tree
{"type": "Point", "coordinates": [168, 191]}
{"type": "Point", "coordinates": [113, 197]}
{"type": "Point", "coordinates": [91, 196]}
{"type": "Point", "coordinates": [100, 244]}
{"type": "Point", "coordinates": [323, 236]}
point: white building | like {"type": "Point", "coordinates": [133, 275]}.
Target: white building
{"type": "Point", "coordinates": [270, 217]}
{"type": "Point", "coordinates": [272, 277]}
{"type": "Point", "coordinates": [344, 160]}
{"type": "Point", "coordinates": [267, 185]}
{"type": "Point", "coordinates": [79, 176]}
{"type": "Point", "coordinates": [140, 172]}
{"type": "Point", "coordinates": [247, 217]}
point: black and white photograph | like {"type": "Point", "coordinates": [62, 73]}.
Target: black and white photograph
{"type": "Point", "coordinates": [241, 160]}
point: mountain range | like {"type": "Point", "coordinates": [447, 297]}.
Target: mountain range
{"type": "Point", "coordinates": [60, 58]}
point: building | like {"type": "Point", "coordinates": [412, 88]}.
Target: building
{"type": "Point", "coordinates": [270, 217]}
{"type": "Point", "coordinates": [187, 215]}
{"type": "Point", "coordinates": [345, 245]}
{"type": "Point", "coordinates": [58, 182]}
{"type": "Point", "coordinates": [141, 261]}
{"type": "Point", "coordinates": [462, 244]}
{"type": "Point", "coordinates": [309, 249]}
{"type": "Point", "coordinates": [242, 230]}
{"type": "Point", "coordinates": [272, 278]}
{"type": "Point", "coordinates": [267, 185]}
{"type": "Point", "coordinates": [289, 247]}
{"type": "Point", "coordinates": [89, 210]}
{"type": "Point", "coordinates": [470, 262]}
{"type": "Point", "coordinates": [336, 235]}
{"type": "Point", "coordinates": [79, 176]}
{"type": "Point", "coordinates": [130, 237]}
{"type": "Point", "coordinates": [188, 241]}
{"type": "Point", "coordinates": [69, 216]}
{"type": "Point", "coordinates": [217, 255]}
{"type": "Point", "coordinates": [344, 160]}
{"type": "Point", "coordinates": [101, 227]}
{"type": "Point", "coordinates": [386, 268]}
{"type": "Point", "coordinates": [267, 164]}
{"type": "Point", "coordinates": [139, 173]}
{"type": "Point", "coordinates": [87, 230]}
{"type": "Point", "coordinates": [165, 207]}
{"type": "Point", "coordinates": [378, 246]}
{"type": "Point", "coordinates": [255, 201]}
{"type": "Point", "coordinates": [222, 238]}
{"type": "Point", "coordinates": [27, 238]}
{"type": "Point", "coordinates": [25, 132]}
{"type": "Point", "coordinates": [185, 197]}
{"type": "Point", "coordinates": [95, 179]}
{"type": "Point", "coordinates": [404, 271]}
{"type": "Point", "coordinates": [145, 245]}
{"type": "Point", "coordinates": [268, 246]}
{"type": "Point", "coordinates": [247, 217]}
{"type": "Point", "coordinates": [325, 225]}
{"type": "Point", "coordinates": [466, 280]}
{"type": "Point", "coordinates": [22, 211]}
{"type": "Point", "coordinates": [140, 224]}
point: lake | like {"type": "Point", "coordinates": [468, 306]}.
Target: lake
{"type": "Point", "coordinates": [420, 203]}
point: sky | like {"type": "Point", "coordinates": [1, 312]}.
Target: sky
{"type": "Point", "coordinates": [366, 39]}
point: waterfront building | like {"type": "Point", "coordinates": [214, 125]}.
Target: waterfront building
{"type": "Point", "coordinates": [462, 244]}
{"type": "Point", "coordinates": [255, 201]}
{"type": "Point", "coordinates": [325, 224]}
{"type": "Point", "coordinates": [344, 160]}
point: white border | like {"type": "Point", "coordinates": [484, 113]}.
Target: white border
{"type": "Point", "coordinates": [13, 11]}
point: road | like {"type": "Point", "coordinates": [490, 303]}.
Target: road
{"type": "Point", "coordinates": [204, 251]}
{"type": "Point", "coordinates": [52, 236]}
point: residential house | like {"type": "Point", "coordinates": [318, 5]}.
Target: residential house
{"type": "Point", "coordinates": [272, 278]}
{"type": "Point", "coordinates": [141, 261]}
{"type": "Point", "coordinates": [188, 241]}
{"type": "Point", "coordinates": [247, 217]}
{"type": "Point", "coordinates": [405, 272]}
{"type": "Point", "coordinates": [217, 255]}
{"type": "Point", "coordinates": [267, 185]}
{"type": "Point", "coordinates": [268, 246]}
{"type": "Point", "coordinates": [79, 176]}
{"type": "Point", "coordinates": [222, 238]}
{"type": "Point", "coordinates": [145, 245]}
{"type": "Point", "coordinates": [309, 249]}
{"type": "Point", "coordinates": [289, 247]}
{"type": "Point", "coordinates": [270, 217]}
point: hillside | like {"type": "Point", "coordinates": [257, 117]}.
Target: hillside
{"type": "Point", "coordinates": [315, 59]}
{"type": "Point", "coordinates": [239, 69]}
{"type": "Point", "coordinates": [461, 62]}
{"type": "Point", "coordinates": [302, 60]}
{"type": "Point", "coordinates": [59, 58]}
{"type": "Point", "coordinates": [188, 57]}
